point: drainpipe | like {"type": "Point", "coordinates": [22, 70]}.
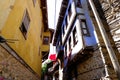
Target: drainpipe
{"type": "Point", "coordinates": [106, 40]}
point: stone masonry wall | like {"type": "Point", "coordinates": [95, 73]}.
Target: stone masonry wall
{"type": "Point", "coordinates": [99, 67]}
{"type": "Point", "coordinates": [11, 69]}
{"type": "Point", "coordinates": [95, 68]}
{"type": "Point", "coordinates": [111, 10]}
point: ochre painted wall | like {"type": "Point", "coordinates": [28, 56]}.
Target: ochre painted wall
{"type": "Point", "coordinates": [27, 49]}
{"type": "Point", "coordinates": [5, 8]}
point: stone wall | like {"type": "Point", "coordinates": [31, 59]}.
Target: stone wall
{"type": "Point", "coordinates": [93, 68]}
{"type": "Point", "coordinates": [11, 69]}
{"type": "Point", "coordinates": [111, 10]}
{"type": "Point", "coordinates": [96, 68]}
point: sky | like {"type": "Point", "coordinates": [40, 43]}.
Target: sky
{"type": "Point", "coordinates": [52, 13]}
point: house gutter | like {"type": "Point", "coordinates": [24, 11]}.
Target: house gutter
{"type": "Point", "coordinates": [106, 40]}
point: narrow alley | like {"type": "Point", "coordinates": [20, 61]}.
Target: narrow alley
{"type": "Point", "coordinates": [60, 40]}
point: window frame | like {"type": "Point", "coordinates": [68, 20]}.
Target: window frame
{"type": "Point", "coordinates": [85, 28]}
{"type": "Point", "coordinates": [46, 43]}
{"type": "Point", "coordinates": [75, 36]}
{"type": "Point", "coordinates": [25, 26]}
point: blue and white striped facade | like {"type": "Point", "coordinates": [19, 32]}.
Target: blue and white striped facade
{"type": "Point", "coordinates": [77, 30]}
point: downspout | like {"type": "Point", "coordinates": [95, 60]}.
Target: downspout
{"type": "Point", "coordinates": [106, 40]}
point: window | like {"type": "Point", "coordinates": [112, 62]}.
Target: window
{"type": "Point", "coordinates": [75, 39]}
{"type": "Point", "coordinates": [84, 28]}
{"type": "Point", "coordinates": [69, 12]}
{"type": "Point", "coordinates": [25, 24]}
{"type": "Point", "coordinates": [34, 1]}
{"type": "Point", "coordinates": [78, 3]}
{"type": "Point", "coordinates": [46, 40]}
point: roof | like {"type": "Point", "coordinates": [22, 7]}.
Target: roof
{"type": "Point", "coordinates": [44, 13]}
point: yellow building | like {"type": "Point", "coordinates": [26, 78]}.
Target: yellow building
{"type": "Point", "coordinates": [46, 32]}
{"type": "Point", "coordinates": [22, 34]}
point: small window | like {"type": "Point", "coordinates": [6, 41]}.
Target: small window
{"type": "Point", "coordinates": [25, 24]}
{"type": "Point", "coordinates": [75, 39]}
{"type": "Point", "coordinates": [34, 1]}
{"type": "Point", "coordinates": [78, 3]}
{"type": "Point", "coordinates": [84, 28]}
{"type": "Point", "coordinates": [46, 40]}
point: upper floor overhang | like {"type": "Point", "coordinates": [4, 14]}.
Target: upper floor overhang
{"type": "Point", "coordinates": [60, 20]}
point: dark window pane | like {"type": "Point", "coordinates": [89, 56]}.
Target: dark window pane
{"type": "Point", "coordinates": [46, 40]}
{"type": "Point", "coordinates": [84, 28]}
{"type": "Point", "coordinates": [25, 24]}
{"type": "Point", "coordinates": [75, 39]}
